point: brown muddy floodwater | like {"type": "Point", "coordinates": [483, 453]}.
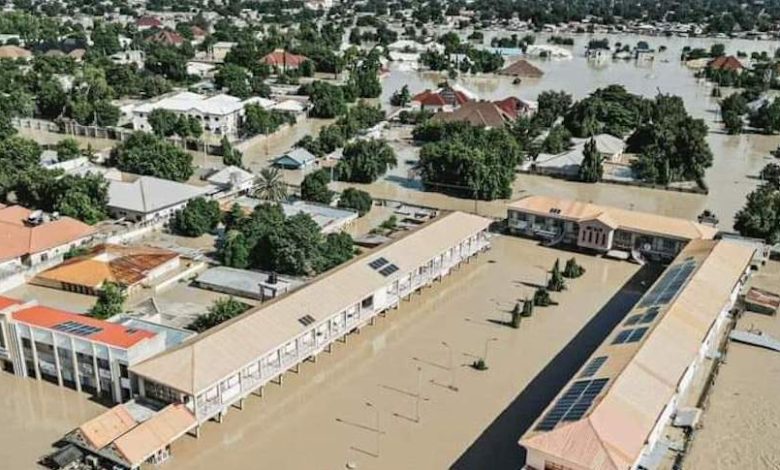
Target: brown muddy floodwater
{"type": "Point", "coordinates": [33, 415]}
{"type": "Point", "coordinates": [737, 159]}
{"type": "Point", "coordinates": [319, 418]}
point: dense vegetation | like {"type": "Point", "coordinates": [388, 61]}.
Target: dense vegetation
{"type": "Point", "coordinates": [147, 154]}
{"type": "Point", "coordinates": [267, 239]}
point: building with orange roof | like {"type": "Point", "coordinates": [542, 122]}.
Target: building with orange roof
{"type": "Point", "coordinates": [130, 267]}
{"type": "Point", "coordinates": [616, 410]}
{"type": "Point", "coordinates": [30, 238]}
{"type": "Point", "coordinates": [726, 63]}
{"type": "Point", "coordinates": [73, 350]}
{"type": "Point", "coordinates": [603, 229]}
{"type": "Point", "coordinates": [168, 38]}
{"type": "Point", "coordinates": [445, 98]}
{"type": "Point", "coordinates": [283, 60]}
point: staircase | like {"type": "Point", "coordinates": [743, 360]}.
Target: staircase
{"type": "Point", "coordinates": [636, 255]}
{"type": "Point", "coordinates": [555, 239]}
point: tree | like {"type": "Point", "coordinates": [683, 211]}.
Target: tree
{"type": "Point", "coordinates": [364, 161]}
{"type": "Point", "coordinates": [551, 106]}
{"type": "Point", "coordinates": [235, 250]}
{"type": "Point", "coordinates": [767, 117]}
{"type": "Point", "coordinates": [516, 316]}
{"type": "Point", "coordinates": [147, 154]}
{"type": "Point", "coordinates": [235, 79]}
{"type": "Point", "coordinates": [556, 282]}
{"type": "Point", "coordinates": [163, 122]}
{"type": "Point", "coordinates": [717, 50]}
{"type": "Point", "coordinates": [327, 100]}
{"type": "Point", "coordinates": [572, 269]}
{"type": "Point", "coordinates": [270, 185]}
{"type": "Point", "coordinates": [760, 217]}
{"type": "Point", "coordinates": [357, 200]}
{"type": "Point", "coordinates": [337, 249]}
{"type": "Point", "coordinates": [67, 149]}
{"type": "Point", "coordinates": [199, 216]}
{"type": "Point", "coordinates": [110, 301]}
{"type": "Point", "coordinates": [230, 156]}
{"type": "Point", "coordinates": [542, 297]}
{"type": "Point", "coordinates": [771, 175]}
{"type": "Point", "coordinates": [262, 121]}
{"type": "Point", "coordinates": [558, 140]}
{"type": "Point", "coordinates": [315, 187]}
{"type": "Point", "coordinates": [401, 98]}
{"type": "Point", "coordinates": [591, 169]}
{"type": "Point", "coordinates": [220, 311]}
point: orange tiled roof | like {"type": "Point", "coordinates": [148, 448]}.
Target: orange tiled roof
{"type": "Point", "coordinates": [108, 333]}
{"type": "Point", "coordinates": [725, 63]}
{"type": "Point", "coordinates": [167, 37]}
{"type": "Point", "coordinates": [19, 239]}
{"type": "Point", "coordinates": [282, 58]}
{"type": "Point", "coordinates": [6, 302]}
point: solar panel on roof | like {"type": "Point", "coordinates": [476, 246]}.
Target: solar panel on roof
{"type": "Point", "coordinates": [636, 335]}
{"type": "Point", "coordinates": [594, 365]}
{"type": "Point", "coordinates": [76, 328]}
{"type": "Point", "coordinates": [388, 270]}
{"type": "Point", "coordinates": [573, 404]}
{"type": "Point", "coordinates": [378, 263]}
{"type": "Point", "coordinates": [622, 337]}
{"type": "Point", "coordinates": [633, 319]}
{"type": "Point", "coordinates": [669, 285]}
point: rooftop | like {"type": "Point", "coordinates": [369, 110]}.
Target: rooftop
{"type": "Point", "coordinates": [123, 265]}
{"type": "Point", "coordinates": [642, 222]}
{"type": "Point", "coordinates": [186, 101]}
{"type": "Point", "coordinates": [602, 419]}
{"type": "Point", "coordinates": [18, 238]}
{"type": "Point", "coordinates": [149, 194]}
{"type": "Point", "coordinates": [209, 357]}
{"type": "Point", "coordinates": [81, 325]}
{"type": "Point", "coordinates": [477, 113]}
{"type": "Point", "coordinates": [522, 68]}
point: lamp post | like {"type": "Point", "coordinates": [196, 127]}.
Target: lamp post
{"type": "Point", "coordinates": [419, 394]}
{"type": "Point", "coordinates": [377, 431]}
{"type": "Point", "coordinates": [451, 366]}
{"type": "Point", "coordinates": [487, 343]}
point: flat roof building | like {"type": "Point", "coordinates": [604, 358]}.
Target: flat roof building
{"type": "Point", "coordinates": [613, 412]}
{"type": "Point", "coordinates": [150, 199]}
{"type": "Point", "coordinates": [73, 350]}
{"type": "Point", "coordinates": [224, 365]}
{"type": "Point", "coordinates": [244, 283]}
{"type": "Point", "coordinates": [602, 228]}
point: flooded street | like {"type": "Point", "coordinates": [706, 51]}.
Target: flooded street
{"type": "Point", "coordinates": [323, 411]}
{"type": "Point", "coordinates": [34, 415]}
{"type": "Point", "coordinates": [737, 159]}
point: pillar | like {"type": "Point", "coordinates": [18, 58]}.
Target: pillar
{"type": "Point", "coordinates": [76, 373]}
{"type": "Point", "coordinates": [36, 367]}
{"type": "Point", "coordinates": [56, 358]}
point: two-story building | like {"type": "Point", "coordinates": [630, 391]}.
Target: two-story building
{"type": "Point", "coordinates": [603, 229]}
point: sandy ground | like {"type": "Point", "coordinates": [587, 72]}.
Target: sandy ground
{"type": "Point", "coordinates": [34, 415]}
{"type": "Point", "coordinates": [741, 426]}
{"type": "Point", "coordinates": [322, 414]}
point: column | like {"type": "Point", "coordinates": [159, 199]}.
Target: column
{"type": "Point", "coordinates": [76, 373]}
{"type": "Point", "coordinates": [35, 354]}
{"type": "Point", "coordinates": [57, 358]}
{"type": "Point", "coordinates": [95, 368]}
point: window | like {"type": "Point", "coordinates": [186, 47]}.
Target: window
{"type": "Point", "coordinates": [368, 302]}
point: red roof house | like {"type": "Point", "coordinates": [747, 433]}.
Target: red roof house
{"type": "Point", "coordinates": [284, 60]}
{"type": "Point", "coordinates": [728, 63]}
{"type": "Point", "coordinates": [147, 22]}
{"type": "Point", "coordinates": [445, 96]}
{"type": "Point", "coordinates": [168, 38]}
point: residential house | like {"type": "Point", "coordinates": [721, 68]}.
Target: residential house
{"type": "Point", "coordinates": [219, 115]}
{"type": "Point", "coordinates": [230, 181]}
{"type": "Point", "coordinates": [523, 69]}
{"type": "Point", "coordinates": [296, 159]}
{"type": "Point", "coordinates": [445, 98]}
{"type": "Point", "coordinates": [478, 113]}
{"type": "Point", "coordinates": [567, 163]}
{"type": "Point", "coordinates": [14, 52]}
{"type": "Point", "coordinates": [31, 239]}
{"type": "Point", "coordinates": [726, 63]}
{"type": "Point", "coordinates": [150, 199]}
{"type": "Point", "coordinates": [282, 60]}
{"type": "Point", "coordinates": [147, 22]}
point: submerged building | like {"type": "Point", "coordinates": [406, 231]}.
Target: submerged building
{"type": "Point", "coordinates": [603, 229]}
{"type": "Point", "coordinates": [72, 350]}
{"type": "Point", "coordinates": [223, 366]}
{"type": "Point", "coordinates": [614, 411]}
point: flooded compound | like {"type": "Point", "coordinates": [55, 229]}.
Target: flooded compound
{"type": "Point", "coordinates": [359, 405]}
{"type": "Point", "coordinates": [34, 414]}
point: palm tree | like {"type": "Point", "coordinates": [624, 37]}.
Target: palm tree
{"type": "Point", "coordinates": [270, 185]}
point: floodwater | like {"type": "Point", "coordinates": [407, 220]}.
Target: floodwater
{"type": "Point", "coordinates": [738, 159]}
{"type": "Point", "coordinates": [34, 415]}
{"type": "Point", "coordinates": [741, 427]}
{"type": "Point", "coordinates": [319, 418]}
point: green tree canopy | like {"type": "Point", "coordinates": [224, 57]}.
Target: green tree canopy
{"type": "Point", "coordinates": [199, 216]}
{"type": "Point", "coordinates": [315, 187]}
{"type": "Point", "coordinates": [147, 154]}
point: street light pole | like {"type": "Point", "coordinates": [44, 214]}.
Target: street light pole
{"type": "Point", "coordinates": [451, 365]}
{"type": "Point", "coordinates": [419, 394]}
{"type": "Point", "coordinates": [487, 343]}
{"type": "Point", "coordinates": [377, 431]}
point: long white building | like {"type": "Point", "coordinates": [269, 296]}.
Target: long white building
{"type": "Point", "coordinates": [615, 411]}
{"type": "Point", "coordinates": [223, 366]}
